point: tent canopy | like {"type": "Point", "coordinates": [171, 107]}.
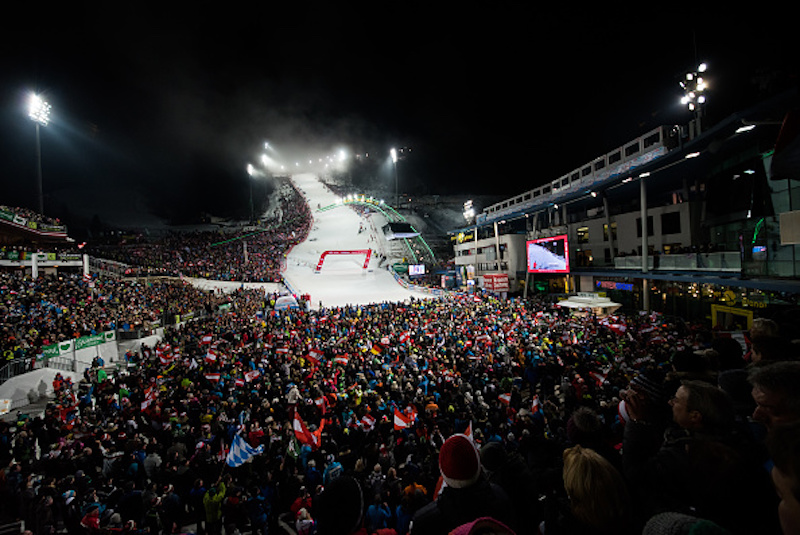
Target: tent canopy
{"type": "Point", "coordinates": [286, 301]}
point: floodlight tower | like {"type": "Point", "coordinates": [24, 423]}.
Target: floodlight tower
{"type": "Point", "coordinates": [39, 113]}
{"type": "Point", "coordinates": [250, 173]}
{"type": "Point", "coordinates": [694, 87]}
{"type": "Point", "coordinates": [393, 153]}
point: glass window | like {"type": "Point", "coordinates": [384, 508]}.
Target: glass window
{"type": "Point", "coordinates": [671, 223]}
{"type": "Point", "coordinates": [632, 149]}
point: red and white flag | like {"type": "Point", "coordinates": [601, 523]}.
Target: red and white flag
{"type": "Point", "coordinates": [340, 360]}
{"type": "Point", "coordinates": [403, 421]}
{"type": "Point", "coordinates": [536, 405]}
{"type": "Point", "coordinates": [599, 377]}
{"type": "Point", "coordinates": [403, 338]}
{"type": "Point", "coordinates": [150, 395]}
{"type": "Point", "coordinates": [213, 377]}
{"type": "Point", "coordinates": [301, 432]}
{"type": "Point", "coordinates": [251, 376]}
{"type": "Point", "coordinates": [505, 398]}
{"type": "Point", "coordinates": [367, 423]}
{"type": "Point", "coordinates": [207, 339]}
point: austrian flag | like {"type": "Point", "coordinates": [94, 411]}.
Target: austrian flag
{"type": "Point", "coordinates": [251, 376]}
{"type": "Point", "coordinates": [403, 421]}
{"type": "Point", "coordinates": [213, 377]}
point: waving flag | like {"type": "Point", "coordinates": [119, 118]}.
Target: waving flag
{"type": "Point", "coordinates": [301, 432]}
{"type": "Point", "coordinates": [241, 452]}
{"type": "Point", "coordinates": [536, 405]}
{"type": "Point", "coordinates": [505, 398]}
{"type": "Point", "coordinates": [468, 432]}
{"type": "Point", "coordinates": [599, 377]}
{"type": "Point", "coordinates": [251, 376]}
{"type": "Point", "coordinates": [213, 377]}
{"type": "Point", "coordinates": [367, 423]}
{"type": "Point", "coordinates": [207, 339]}
{"type": "Point", "coordinates": [403, 421]}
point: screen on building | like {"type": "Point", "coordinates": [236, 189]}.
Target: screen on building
{"type": "Point", "coordinates": [416, 269]}
{"type": "Point", "coordinates": [548, 255]}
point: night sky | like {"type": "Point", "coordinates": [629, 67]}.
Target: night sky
{"type": "Point", "coordinates": [163, 109]}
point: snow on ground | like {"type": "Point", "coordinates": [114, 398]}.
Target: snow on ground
{"type": "Point", "coordinates": [342, 280]}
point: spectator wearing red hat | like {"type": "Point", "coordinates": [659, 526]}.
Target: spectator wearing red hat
{"type": "Point", "coordinates": [466, 494]}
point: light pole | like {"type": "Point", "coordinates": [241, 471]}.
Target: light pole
{"type": "Point", "coordinates": [393, 152]}
{"type": "Point", "coordinates": [250, 171]}
{"type": "Point", "coordinates": [39, 112]}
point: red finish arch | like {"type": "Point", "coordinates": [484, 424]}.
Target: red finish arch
{"type": "Point", "coordinates": [367, 252]}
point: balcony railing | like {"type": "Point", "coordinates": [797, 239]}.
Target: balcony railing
{"type": "Point", "coordinates": [722, 261]}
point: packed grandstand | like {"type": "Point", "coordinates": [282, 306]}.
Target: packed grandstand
{"type": "Point", "coordinates": [438, 413]}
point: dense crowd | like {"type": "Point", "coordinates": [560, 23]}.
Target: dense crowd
{"type": "Point", "coordinates": [30, 215]}
{"type": "Point", "coordinates": [50, 309]}
{"type": "Point", "coordinates": [229, 256]}
{"type": "Point", "coordinates": [459, 415]}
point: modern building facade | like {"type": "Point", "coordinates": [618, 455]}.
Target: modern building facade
{"type": "Point", "coordinates": [722, 221]}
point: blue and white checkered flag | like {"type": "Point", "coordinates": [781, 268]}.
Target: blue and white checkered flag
{"type": "Point", "coordinates": [241, 451]}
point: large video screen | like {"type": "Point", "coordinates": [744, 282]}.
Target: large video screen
{"type": "Point", "coordinates": [548, 255]}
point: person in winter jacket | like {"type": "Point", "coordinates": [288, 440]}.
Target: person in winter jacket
{"type": "Point", "coordinates": [212, 503]}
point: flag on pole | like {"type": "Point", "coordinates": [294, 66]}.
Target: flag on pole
{"type": "Point", "coordinates": [241, 452]}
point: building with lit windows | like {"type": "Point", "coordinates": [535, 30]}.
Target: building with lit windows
{"type": "Point", "coordinates": [721, 213]}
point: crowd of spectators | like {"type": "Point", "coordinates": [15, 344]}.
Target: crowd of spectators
{"type": "Point", "coordinates": [30, 215]}
{"type": "Point", "coordinates": [50, 309]}
{"type": "Point", "coordinates": [228, 256]}
{"type": "Point", "coordinates": [465, 414]}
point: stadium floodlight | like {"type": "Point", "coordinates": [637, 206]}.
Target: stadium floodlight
{"type": "Point", "coordinates": [39, 113]}
{"type": "Point", "coordinates": [39, 110]}
{"type": "Point", "coordinates": [393, 154]}
{"type": "Point", "coordinates": [251, 171]}
{"type": "Point", "coordinates": [469, 211]}
{"type": "Point", "coordinates": [694, 87]}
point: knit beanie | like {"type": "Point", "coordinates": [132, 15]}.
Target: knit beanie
{"type": "Point", "coordinates": [651, 384]}
{"type": "Point", "coordinates": [671, 523]}
{"type": "Point", "coordinates": [459, 462]}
